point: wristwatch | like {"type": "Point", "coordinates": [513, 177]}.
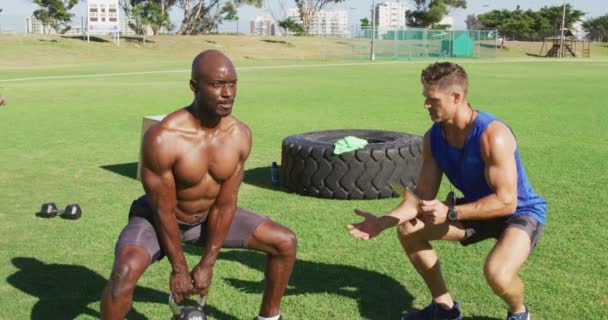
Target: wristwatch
{"type": "Point", "coordinates": [452, 212]}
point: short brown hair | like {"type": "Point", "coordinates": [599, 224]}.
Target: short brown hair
{"type": "Point", "coordinates": [445, 74]}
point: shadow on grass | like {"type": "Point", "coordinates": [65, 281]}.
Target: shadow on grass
{"type": "Point", "coordinates": [65, 291]}
{"type": "Point", "coordinates": [139, 39]}
{"type": "Point", "coordinates": [487, 45]}
{"type": "Point", "coordinates": [378, 296]}
{"type": "Point", "coordinates": [259, 177]}
{"type": "Point", "coordinates": [275, 41]}
{"type": "Point", "coordinates": [127, 169]}
{"type": "Point", "coordinates": [535, 55]}
{"type": "Point", "coordinates": [84, 38]}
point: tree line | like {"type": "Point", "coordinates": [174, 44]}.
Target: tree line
{"type": "Point", "coordinates": [203, 16]}
{"type": "Point", "coordinates": [532, 25]}
{"type": "Point", "coordinates": [200, 16]}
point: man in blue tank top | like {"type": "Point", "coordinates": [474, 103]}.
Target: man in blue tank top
{"type": "Point", "coordinates": [478, 154]}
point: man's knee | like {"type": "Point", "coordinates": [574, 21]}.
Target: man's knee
{"type": "Point", "coordinates": [498, 277]}
{"type": "Point", "coordinates": [408, 230]}
{"type": "Point", "coordinates": [286, 243]}
{"type": "Point", "coordinates": [130, 265]}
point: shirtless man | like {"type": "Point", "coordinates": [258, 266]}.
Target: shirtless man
{"type": "Point", "coordinates": [192, 167]}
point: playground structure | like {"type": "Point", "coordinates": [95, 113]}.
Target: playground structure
{"type": "Point", "coordinates": [568, 46]}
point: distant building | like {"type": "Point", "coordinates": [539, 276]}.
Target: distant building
{"type": "Point", "coordinates": [390, 15]}
{"type": "Point", "coordinates": [325, 22]}
{"type": "Point", "coordinates": [32, 25]}
{"type": "Point", "coordinates": [35, 26]}
{"type": "Point", "coordinates": [263, 26]}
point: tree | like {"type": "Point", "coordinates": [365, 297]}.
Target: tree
{"type": "Point", "coordinates": [364, 23]}
{"type": "Point", "coordinates": [133, 21]}
{"type": "Point", "coordinates": [530, 25]}
{"type": "Point", "coordinates": [143, 13]}
{"type": "Point", "coordinates": [150, 13]}
{"type": "Point", "coordinates": [55, 14]}
{"type": "Point", "coordinates": [473, 22]}
{"type": "Point", "coordinates": [429, 13]}
{"type": "Point", "coordinates": [202, 16]}
{"type": "Point", "coordinates": [597, 28]}
{"type": "Point", "coordinates": [553, 15]}
{"type": "Point", "coordinates": [309, 8]}
{"type": "Point", "coordinates": [291, 25]}
{"type": "Point", "coordinates": [507, 22]}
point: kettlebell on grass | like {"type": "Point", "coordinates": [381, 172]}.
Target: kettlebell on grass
{"type": "Point", "coordinates": [195, 312]}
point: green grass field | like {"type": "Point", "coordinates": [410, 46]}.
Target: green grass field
{"type": "Point", "coordinates": [77, 140]}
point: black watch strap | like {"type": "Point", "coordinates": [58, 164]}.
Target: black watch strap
{"type": "Point", "coordinates": [452, 212]}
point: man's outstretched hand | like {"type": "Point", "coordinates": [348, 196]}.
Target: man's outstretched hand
{"type": "Point", "coordinates": [368, 228]}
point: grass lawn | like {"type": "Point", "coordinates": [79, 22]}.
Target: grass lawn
{"type": "Point", "coordinates": [77, 140]}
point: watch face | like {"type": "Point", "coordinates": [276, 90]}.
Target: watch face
{"type": "Point", "coordinates": [453, 215]}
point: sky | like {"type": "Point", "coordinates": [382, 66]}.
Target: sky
{"type": "Point", "coordinates": [12, 19]}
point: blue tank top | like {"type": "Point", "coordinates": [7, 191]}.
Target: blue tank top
{"type": "Point", "coordinates": [465, 168]}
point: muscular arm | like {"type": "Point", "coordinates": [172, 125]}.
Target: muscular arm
{"type": "Point", "coordinates": [158, 157]}
{"type": "Point", "coordinates": [426, 188]}
{"type": "Point", "coordinates": [498, 153]}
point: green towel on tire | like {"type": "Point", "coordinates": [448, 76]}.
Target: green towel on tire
{"type": "Point", "coordinates": [349, 143]}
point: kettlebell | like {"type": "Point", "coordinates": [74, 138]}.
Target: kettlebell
{"type": "Point", "coordinates": [188, 312]}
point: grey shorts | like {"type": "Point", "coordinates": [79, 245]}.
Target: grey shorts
{"type": "Point", "coordinates": [140, 230]}
{"type": "Point", "coordinates": [480, 230]}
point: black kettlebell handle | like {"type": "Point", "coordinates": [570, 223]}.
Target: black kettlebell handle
{"type": "Point", "coordinates": [176, 309]}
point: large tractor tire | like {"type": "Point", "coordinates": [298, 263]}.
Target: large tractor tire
{"type": "Point", "coordinates": [309, 166]}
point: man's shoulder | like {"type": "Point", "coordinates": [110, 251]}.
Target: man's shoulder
{"type": "Point", "coordinates": [239, 135]}
{"type": "Point", "coordinates": [236, 127]}
{"type": "Point", "coordinates": [165, 133]}
{"type": "Point", "coordinates": [497, 136]}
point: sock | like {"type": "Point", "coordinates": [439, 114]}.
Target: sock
{"type": "Point", "coordinates": [269, 318]}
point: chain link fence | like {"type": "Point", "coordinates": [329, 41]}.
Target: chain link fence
{"type": "Point", "coordinates": [403, 44]}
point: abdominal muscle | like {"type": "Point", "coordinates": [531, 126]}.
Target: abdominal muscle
{"type": "Point", "coordinates": [194, 203]}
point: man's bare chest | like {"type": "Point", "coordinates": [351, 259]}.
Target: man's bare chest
{"type": "Point", "coordinates": [202, 162]}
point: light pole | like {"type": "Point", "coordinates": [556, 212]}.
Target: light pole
{"type": "Point", "coordinates": [561, 38]}
{"type": "Point", "coordinates": [372, 52]}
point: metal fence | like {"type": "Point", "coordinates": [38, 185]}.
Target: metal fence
{"type": "Point", "coordinates": [395, 44]}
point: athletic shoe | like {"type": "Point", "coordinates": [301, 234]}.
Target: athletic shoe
{"type": "Point", "coordinates": [435, 312]}
{"type": "Point", "coordinates": [519, 316]}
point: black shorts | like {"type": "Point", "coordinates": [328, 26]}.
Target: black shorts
{"type": "Point", "coordinates": [479, 230]}
{"type": "Point", "coordinates": [140, 230]}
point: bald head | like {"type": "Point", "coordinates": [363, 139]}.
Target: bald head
{"type": "Point", "coordinates": [209, 62]}
{"type": "Point", "coordinates": [213, 83]}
